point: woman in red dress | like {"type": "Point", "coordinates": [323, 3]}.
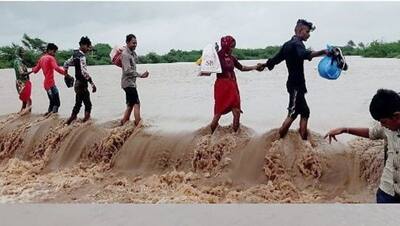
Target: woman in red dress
{"type": "Point", "coordinates": [226, 90]}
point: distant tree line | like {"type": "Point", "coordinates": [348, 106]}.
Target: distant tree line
{"type": "Point", "coordinates": [100, 54]}
{"type": "Point", "coordinates": [377, 49]}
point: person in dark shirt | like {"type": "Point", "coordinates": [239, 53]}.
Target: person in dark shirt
{"type": "Point", "coordinates": [294, 53]}
{"type": "Point", "coordinates": [78, 60]}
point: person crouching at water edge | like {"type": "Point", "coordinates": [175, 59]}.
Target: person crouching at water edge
{"type": "Point", "coordinates": [23, 84]}
{"type": "Point", "coordinates": [82, 78]}
{"type": "Point", "coordinates": [294, 53]}
{"type": "Point", "coordinates": [129, 60]}
{"type": "Point", "coordinates": [384, 108]}
{"type": "Point", "coordinates": [226, 90]}
{"type": "Point", "coordinates": [48, 64]}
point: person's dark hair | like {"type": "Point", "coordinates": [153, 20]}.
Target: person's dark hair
{"type": "Point", "coordinates": [129, 37]}
{"type": "Point", "coordinates": [302, 22]}
{"type": "Point", "coordinates": [51, 46]}
{"type": "Point", "coordinates": [85, 41]}
{"type": "Point", "coordinates": [384, 104]}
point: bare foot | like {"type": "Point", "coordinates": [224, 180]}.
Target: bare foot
{"type": "Point", "coordinates": [138, 124]}
{"type": "Point", "coordinates": [25, 111]}
{"type": "Point", "coordinates": [122, 122]}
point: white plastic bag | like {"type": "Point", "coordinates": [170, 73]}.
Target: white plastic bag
{"type": "Point", "coordinates": [210, 61]}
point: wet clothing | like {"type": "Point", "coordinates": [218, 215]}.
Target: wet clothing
{"type": "Point", "coordinates": [82, 95]}
{"type": "Point", "coordinates": [383, 197]}
{"type": "Point", "coordinates": [294, 53]}
{"type": "Point", "coordinates": [129, 60]}
{"type": "Point", "coordinates": [25, 91]}
{"type": "Point", "coordinates": [132, 96]}
{"type": "Point", "coordinates": [22, 83]}
{"type": "Point", "coordinates": [82, 77]}
{"type": "Point", "coordinates": [54, 99]}
{"type": "Point", "coordinates": [390, 179]}
{"type": "Point", "coordinates": [226, 90]}
{"type": "Point", "coordinates": [297, 105]}
{"type": "Point", "coordinates": [48, 64]}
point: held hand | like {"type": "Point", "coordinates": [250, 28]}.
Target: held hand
{"type": "Point", "coordinates": [94, 88]}
{"type": "Point", "coordinates": [332, 134]}
{"type": "Point", "coordinates": [260, 67]}
{"type": "Point", "coordinates": [145, 74]}
{"type": "Point", "coordinates": [204, 74]}
{"type": "Point", "coordinates": [269, 65]}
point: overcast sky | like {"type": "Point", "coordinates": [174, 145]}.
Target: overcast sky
{"type": "Point", "coordinates": [161, 26]}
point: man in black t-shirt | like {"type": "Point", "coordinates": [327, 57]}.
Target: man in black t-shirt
{"type": "Point", "coordinates": [294, 53]}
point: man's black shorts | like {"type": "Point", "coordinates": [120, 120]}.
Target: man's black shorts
{"type": "Point", "coordinates": [298, 105]}
{"type": "Point", "coordinates": [132, 96]}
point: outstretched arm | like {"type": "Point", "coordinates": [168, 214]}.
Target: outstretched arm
{"type": "Point", "coordinates": [319, 53]}
{"type": "Point", "coordinates": [249, 68]}
{"type": "Point", "coordinates": [36, 68]}
{"type": "Point", "coordinates": [56, 67]}
{"type": "Point", "coordinates": [277, 59]}
{"type": "Point", "coordinates": [361, 132]}
{"type": "Point", "coordinates": [68, 63]}
{"type": "Point", "coordinates": [241, 67]}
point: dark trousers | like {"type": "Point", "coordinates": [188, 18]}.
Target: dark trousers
{"type": "Point", "coordinates": [82, 96]}
{"type": "Point", "coordinates": [54, 99]}
{"type": "Point", "coordinates": [298, 105]}
{"type": "Point", "coordinates": [383, 197]}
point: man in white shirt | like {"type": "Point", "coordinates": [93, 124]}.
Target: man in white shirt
{"type": "Point", "coordinates": [385, 108]}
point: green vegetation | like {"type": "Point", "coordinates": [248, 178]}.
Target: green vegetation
{"type": "Point", "coordinates": [35, 47]}
{"type": "Point", "coordinates": [100, 54]}
{"type": "Point", "coordinates": [378, 49]}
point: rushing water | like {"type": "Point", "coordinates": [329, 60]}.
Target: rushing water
{"type": "Point", "coordinates": [43, 160]}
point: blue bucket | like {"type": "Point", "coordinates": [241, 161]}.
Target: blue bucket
{"type": "Point", "coordinates": [328, 67]}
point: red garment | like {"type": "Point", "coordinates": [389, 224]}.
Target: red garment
{"type": "Point", "coordinates": [25, 93]}
{"type": "Point", "coordinates": [226, 90]}
{"type": "Point", "coordinates": [226, 96]}
{"type": "Point", "coordinates": [48, 64]}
